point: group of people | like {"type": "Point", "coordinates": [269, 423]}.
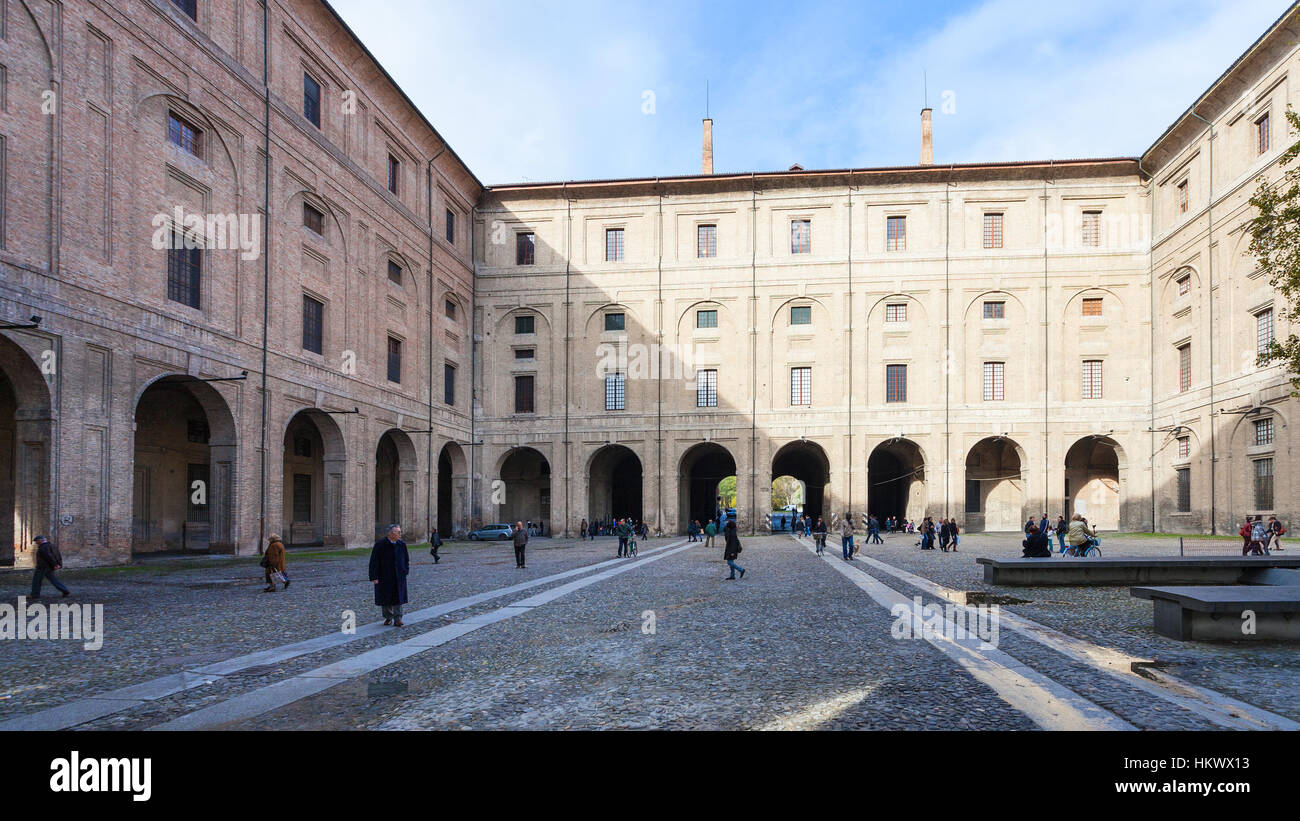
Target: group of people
{"type": "Point", "coordinates": [610, 527]}
{"type": "Point", "coordinates": [697, 533]}
{"type": "Point", "coordinates": [1259, 537]}
{"type": "Point", "coordinates": [945, 532]}
{"type": "Point", "coordinates": [1076, 533]}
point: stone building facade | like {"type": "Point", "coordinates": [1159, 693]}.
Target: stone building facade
{"type": "Point", "coordinates": [272, 299]}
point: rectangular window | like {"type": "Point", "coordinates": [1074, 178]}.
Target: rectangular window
{"type": "Point", "coordinates": [313, 219]}
{"type": "Point", "coordinates": [1264, 431]}
{"type": "Point", "coordinates": [1182, 197]}
{"type": "Point", "coordinates": [995, 310]}
{"type": "Point", "coordinates": [524, 394]}
{"type": "Point", "coordinates": [525, 248]}
{"type": "Point", "coordinates": [190, 7]}
{"type": "Point", "coordinates": [801, 386]}
{"type": "Point", "coordinates": [615, 322]}
{"type": "Point", "coordinates": [1184, 447]}
{"type": "Point", "coordinates": [973, 495]}
{"type": "Point", "coordinates": [302, 447]}
{"type": "Point", "coordinates": [706, 319]}
{"type": "Point", "coordinates": [1184, 501]}
{"type": "Point", "coordinates": [801, 236]}
{"type": "Point", "coordinates": [313, 324]}
{"type": "Point", "coordinates": [311, 100]}
{"type": "Point", "coordinates": [184, 272]}
{"type": "Point", "coordinates": [302, 497]}
{"type": "Point", "coordinates": [449, 384]}
{"type": "Point", "coordinates": [394, 359]}
{"type": "Point", "coordinates": [525, 353]}
{"type": "Point", "coordinates": [394, 172]}
{"type": "Point", "coordinates": [615, 392]}
{"type": "Point", "coordinates": [895, 383]}
{"type": "Point", "coordinates": [1184, 286]}
{"type": "Point", "coordinates": [196, 431]}
{"type": "Point", "coordinates": [451, 227]}
{"type": "Point", "coordinates": [1092, 228]}
{"type": "Point", "coordinates": [801, 315]}
{"type": "Point", "coordinates": [1261, 135]}
{"type": "Point", "coordinates": [992, 230]}
{"type": "Point", "coordinates": [706, 241]}
{"type": "Point", "coordinates": [994, 381]}
{"type": "Point", "coordinates": [1263, 484]}
{"type": "Point", "coordinates": [1092, 306]}
{"type": "Point", "coordinates": [896, 233]}
{"type": "Point", "coordinates": [524, 324]}
{"type": "Point", "coordinates": [896, 312]}
{"type": "Point", "coordinates": [1092, 379]}
{"type": "Point", "coordinates": [196, 473]}
{"type": "Point", "coordinates": [1184, 367]}
{"type": "Point", "coordinates": [394, 272]}
{"type": "Point", "coordinates": [1263, 331]}
{"type": "Point", "coordinates": [449, 308]}
{"type": "Point", "coordinates": [706, 388]}
{"type": "Point", "coordinates": [184, 134]}
{"type": "Point", "coordinates": [613, 244]}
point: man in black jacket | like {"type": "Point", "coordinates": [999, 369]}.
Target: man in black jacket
{"type": "Point", "coordinates": [48, 560]}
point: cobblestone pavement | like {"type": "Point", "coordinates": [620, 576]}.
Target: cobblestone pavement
{"type": "Point", "coordinates": [792, 645]}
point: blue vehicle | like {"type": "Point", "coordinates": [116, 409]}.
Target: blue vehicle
{"type": "Point", "coordinates": [497, 531]}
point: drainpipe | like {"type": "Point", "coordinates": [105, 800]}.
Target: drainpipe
{"type": "Point", "coordinates": [659, 382]}
{"type": "Point", "coordinates": [1209, 212]}
{"type": "Point", "coordinates": [568, 256]}
{"type": "Point", "coordinates": [428, 479]}
{"type": "Point", "coordinates": [947, 350]}
{"type": "Point", "coordinates": [850, 459]}
{"type": "Point", "coordinates": [266, 260]}
{"type": "Point", "coordinates": [753, 355]}
{"type": "Point", "coordinates": [1047, 473]}
{"type": "Point", "coordinates": [1151, 357]}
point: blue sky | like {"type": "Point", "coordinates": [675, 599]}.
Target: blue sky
{"type": "Point", "coordinates": [559, 90]}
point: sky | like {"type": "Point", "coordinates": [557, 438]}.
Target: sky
{"type": "Point", "coordinates": [546, 91]}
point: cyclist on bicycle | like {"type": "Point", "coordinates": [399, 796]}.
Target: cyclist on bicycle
{"type": "Point", "coordinates": [1080, 535]}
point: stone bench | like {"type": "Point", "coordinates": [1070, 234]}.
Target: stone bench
{"type": "Point", "coordinates": [1205, 613]}
{"type": "Point", "coordinates": [1126, 571]}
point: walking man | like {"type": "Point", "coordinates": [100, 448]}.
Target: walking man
{"type": "Point", "coordinates": [48, 560]}
{"type": "Point", "coordinates": [389, 563]}
{"type": "Point", "coordinates": [874, 525]}
{"type": "Point", "coordinates": [435, 542]}
{"type": "Point", "coordinates": [622, 531]}
{"type": "Point", "coordinates": [710, 530]}
{"type": "Point", "coordinates": [819, 534]}
{"type": "Point", "coordinates": [846, 537]}
{"type": "Point", "coordinates": [520, 538]}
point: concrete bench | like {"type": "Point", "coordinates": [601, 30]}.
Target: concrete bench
{"type": "Point", "coordinates": [1216, 613]}
{"type": "Point", "coordinates": [1125, 571]}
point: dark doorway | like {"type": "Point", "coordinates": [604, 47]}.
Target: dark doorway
{"type": "Point", "coordinates": [614, 484]}
{"type": "Point", "coordinates": [702, 468]}
{"type": "Point", "coordinates": [807, 462]}
{"type": "Point", "coordinates": [896, 481]}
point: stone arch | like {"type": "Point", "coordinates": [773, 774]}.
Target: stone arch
{"type": "Point", "coordinates": [26, 445]}
{"type": "Point", "coordinates": [614, 483]}
{"type": "Point", "coordinates": [1095, 471]}
{"type": "Point", "coordinates": [453, 490]}
{"type": "Point", "coordinates": [396, 475]}
{"type": "Point", "coordinates": [896, 483]}
{"type": "Point", "coordinates": [701, 467]}
{"type": "Point", "coordinates": [807, 462]}
{"type": "Point", "coordinates": [995, 486]}
{"type": "Point", "coordinates": [774, 319]}
{"type": "Point", "coordinates": [526, 474]}
{"type": "Point", "coordinates": [315, 455]}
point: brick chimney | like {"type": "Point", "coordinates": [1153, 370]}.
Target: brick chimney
{"type": "Point", "coordinates": [927, 138]}
{"type": "Point", "coordinates": [707, 164]}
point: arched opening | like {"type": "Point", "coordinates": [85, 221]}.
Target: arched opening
{"type": "Point", "coordinates": [995, 486]}
{"type": "Point", "coordinates": [312, 509]}
{"type": "Point", "coordinates": [807, 464]}
{"type": "Point", "coordinates": [184, 468]}
{"type": "Point", "coordinates": [703, 467]}
{"type": "Point", "coordinates": [25, 444]}
{"type": "Point", "coordinates": [614, 484]}
{"type": "Point", "coordinates": [896, 480]}
{"type": "Point", "coordinates": [395, 469]}
{"type": "Point", "coordinates": [1092, 484]}
{"type": "Point", "coordinates": [451, 490]}
{"type": "Point", "coordinates": [527, 478]}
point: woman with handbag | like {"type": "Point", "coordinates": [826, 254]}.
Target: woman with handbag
{"type": "Point", "coordinates": [273, 563]}
{"type": "Point", "coordinates": [732, 550]}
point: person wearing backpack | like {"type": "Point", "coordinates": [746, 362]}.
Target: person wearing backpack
{"type": "Point", "coordinates": [1258, 537]}
{"type": "Point", "coordinates": [732, 550]}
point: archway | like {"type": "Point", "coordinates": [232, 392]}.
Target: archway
{"type": "Point", "coordinates": [1092, 481]}
{"type": "Point", "coordinates": [807, 463]}
{"type": "Point", "coordinates": [451, 489]}
{"type": "Point", "coordinates": [25, 443]}
{"type": "Point", "coordinates": [183, 475]}
{"type": "Point", "coordinates": [312, 508]}
{"type": "Point", "coordinates": [896, 480]}
{"type": "Point", "coordinates": [995, 486]}
{"type": "Point", "coordinates": [395, 476]}
{"type": "Point", "coordinates": [614, 484]}
{"type": "Point", "coordinates": [701, 469]}
{"type": "Point", "coordinates": [527, 478]}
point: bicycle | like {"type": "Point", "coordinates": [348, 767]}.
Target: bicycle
{"type": "Point", "coordinates": [631, 546]}
{"type": "Point", "coordinates": [1091, 550]}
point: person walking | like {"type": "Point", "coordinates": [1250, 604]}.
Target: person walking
{"type": "Point", "coordinates": [273, 563]}
{"type": "Point", "coordinates": [390, 562]}
{"type": "Point", "coordinates": [48, 560]}
{"type": "Point", "coordinates": [520, 539]}
{"type": "Point", "coordinates": [1061, 528]}
{"type": "Point", "coordinates": [622, 530]}
{"type": "Point", "coordinates": [435, 542]}
{"type": "Point", "coordinates": [1042, 525]}
{"type": "Point", "coordinates": [582, 529]}
{"type": "Point", "coordinates": [944, 535]}
{"type": "Point", "coordinates": [819, 535]}
{"type": "Point", "coordinates": [873, 524]}
{"type": "Point", "coordinates": [956, 534]}
{"type": "Point", "coordinates": [1275, 531]}
{"type": "Point", "coordinates": [710, 530]}
{"type": "Point", "coordinates": [732, 550]}
{"type": "Point", "coordinates": [846, 537]}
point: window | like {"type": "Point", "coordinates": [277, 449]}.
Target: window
{"type": "Point", "coordinates": [184, 134]}
{"type": "Point", "coordinates": [449, 383]}
{"type": "Point", "coordinates": [184, 272]}
{"type": "Point", "coordinates": [706, 388]}
{"type": "Point", "coordinates": [896, 312]}
{"type": "Point", "coordinates": [525, 248]}
{"type": "Point", "coordinates": [1182, 197]}
{"type": "Point", "coordinates": [801, 236]}
{"type": "Point", "coordinates": [1092, 379]}
{"type": "Point", "coordinates": [394, 272]}
{"type": "Point", "coordinates": [1263, 331]}
{"type": "Point", "coordinates": [190, 7]}
{"type": "Point", "coordinates": [313, 219]}
{"type": "Point", "coordinates": [706, 241]}
{"type": "Point", "coordinates": [1092, 306]}
{"type": "Point", "coordinates": [706, 319]}
{"type": "Point", "coordinates": [895, 383]}
{"type": "Point", "coordinates": [992, 230]}
{"type": "Point", "coordinates": [1261, 135]}
{"type": "Point", "coordinates": [313, 324]}
{"type": "Point", "coordinates": [615, 322]}
{"type": "Point", "coordinates": [524, 324]}
{"type": "Point", "coordinates": [1185, 285]}
{"type": "Point", "coordinates": [302, 447]}
{"type": "Point", "coordinates": [1184, 447]}
{"type": "Point", "coordinates": [525, 353]}
{"type": "Point", "coordinates": [1263, 484]}
{"type": "Point", "coordinates": [896, 233]}
{"type": "Point", "coordinates": [449, 308]}
{"type": "Point", "coordinates": [615, 392]}
{"type": "Point", "coordinates": [801, 386]}
{"type": "Point", "coordinates": [1184, 501]}
{"type": "Point", "coordinates": [302, 497]}
{"type": "Point", "coordinates": [1092, 228]}
{"type": "Point", "coordinates": [801, 315]}
{"type": "Point", "coordinates": [394, 359]}
{"type": "Point", "coordinates": [994, 381]}
{"type": "Point", "coordinates": [524, 394]}
{"type": "Point", "coordinates": [1185, 367]}
{"type": "Point", "coordinates": [394, 171]}
{"type": "Point", "coordinates": [973, 495]}
{"type": "Point", "coordinates": [196, 431]}
{"type": "Point", "coordinates": [1264, 431]}
{"type": "Point", "coordinates": [451, 227]}
{"type": "Point", "coordinates": [196, 473]}
{"type": "Point", "coordinates": [311, 100]}
{"type": "Point", "coordinates": [995, 310]}
{"type": "Point", "coordinates": [613, 244]}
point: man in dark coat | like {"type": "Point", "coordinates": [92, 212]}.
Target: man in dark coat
{"type": "Point", "coordinates": [732, 550]}
{"type": "Point", "coordinates": [520, 539]}
{"type": "Point", "coordinates": [389, 564]}
{"type": "Point", "coordinates": [48, 560]}
{"type": "Point", "coordinates": [1036, 546]}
